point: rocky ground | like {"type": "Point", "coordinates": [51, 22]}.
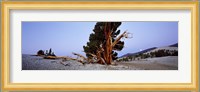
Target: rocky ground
{"type": "Point", "coordinates": [161, 63]}
{"type": "Point", "coordinates": [30, 62]}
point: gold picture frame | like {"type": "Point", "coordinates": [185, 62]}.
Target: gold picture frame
{"type": "Point", "coordinates": [5, 42]}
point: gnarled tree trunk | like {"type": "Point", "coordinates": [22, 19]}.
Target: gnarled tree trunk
{"type": "Point", "coordinates": [104, 41]}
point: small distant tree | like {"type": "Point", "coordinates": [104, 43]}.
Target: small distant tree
{"type": "Point", "coordinates": [130, 58]}
{"type": "Point", "coordinates": [40, 52]}
{"type": "Point", "coordinates": [50, 51]}
{"type": "Point", "coordinates": [175, 53]}
{"type": "Point", "coordinates": [46, 52]}
{"type": "Point", "coordinates": [53, 54]}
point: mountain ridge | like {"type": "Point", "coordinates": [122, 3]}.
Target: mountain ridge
{"type": "Point", "coordinates": [146, 50]}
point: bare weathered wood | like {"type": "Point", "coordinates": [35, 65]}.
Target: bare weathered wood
{"type": "Point", "coordinates": [79, 55]}
{"type": "Point", "coordinates": [103, 53]}
{"type": "Point", "coordinates": [108, 46]}
{"type": "Point", "coordinates": [50, 57]}
{"type": "Point", "coordinates": [61, 62]}
{"type": "Point", "coordinates": [118, 38]}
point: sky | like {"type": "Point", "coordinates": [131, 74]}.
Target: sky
{"type": "Point", "coordinates": [67, 37]}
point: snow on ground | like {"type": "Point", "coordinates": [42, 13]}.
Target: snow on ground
{"type": "Point", "coordinates": [38, 63]}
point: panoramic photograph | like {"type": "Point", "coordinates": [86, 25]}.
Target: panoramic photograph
{"type": "Point", "coordinates": [139, 45]}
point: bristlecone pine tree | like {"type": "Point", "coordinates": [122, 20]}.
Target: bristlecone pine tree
{"type": "Point", "coordinates": [104, 41]}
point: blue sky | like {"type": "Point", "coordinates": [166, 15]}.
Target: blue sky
{"type": "Point", "coordinates": [67, 37]}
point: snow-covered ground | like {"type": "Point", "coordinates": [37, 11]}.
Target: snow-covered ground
{"type": "Point", "coordinates": [38, 63]}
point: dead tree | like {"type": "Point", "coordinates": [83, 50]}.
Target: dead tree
{"type": "Point", "coordinates": [80, 58]}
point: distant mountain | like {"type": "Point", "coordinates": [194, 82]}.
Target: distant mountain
{"type": "Point", "coordinates": [140, 52]}
{"type": "Point", "coordinates": [174, 45]}
{"type": "Point", "coordinates": [170, 47]}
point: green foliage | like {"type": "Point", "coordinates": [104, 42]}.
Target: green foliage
{"type": "Point", "coordinates": [98, 37]}
{"type": "Point", "coordinates": [114, 55]}
{"type": "Point", "coordinates": [53, 54]}
{"type": "Point", "coordinates": [158, 53]}
{"type": "Point", "coordinates": [175, 53]}
{"type": "Point", "coordinates": [125, 59]}
{"type": "Point", "coordinates": [40, 52]}
{"type": "Point", "coordinates": [49, 53]}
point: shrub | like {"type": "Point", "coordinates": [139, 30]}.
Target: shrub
{"type": "Point", "coordinates": [40, 52]}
